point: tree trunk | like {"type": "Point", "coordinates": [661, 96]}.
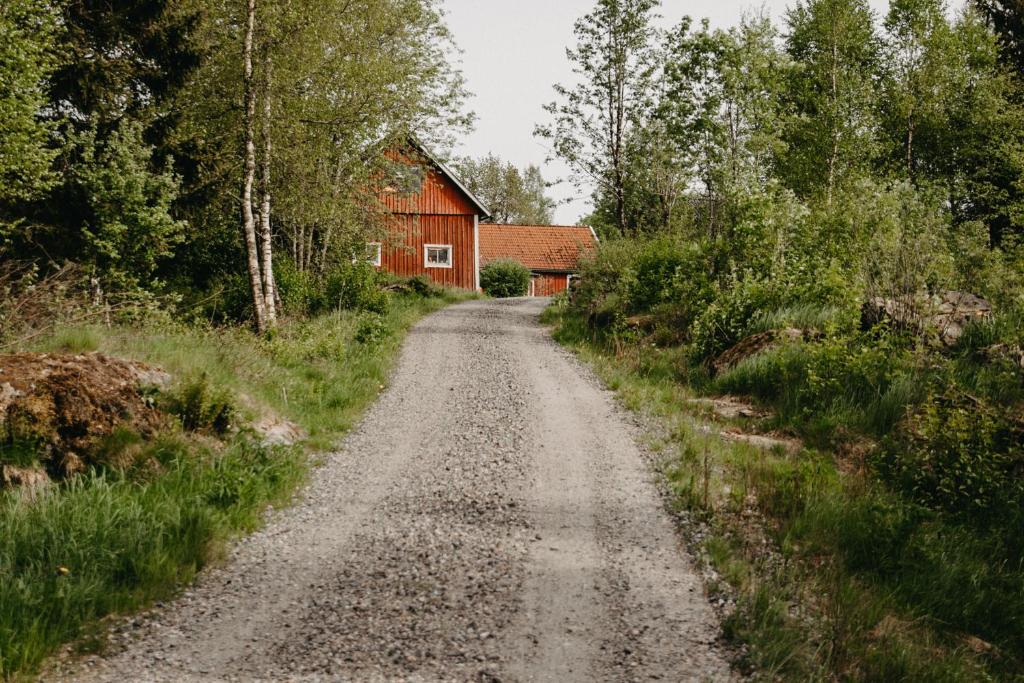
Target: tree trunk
{"type": "Point", "coordinates": [910, 146]}
{"type": "Point", "coordinates": [834, 156]}
{"type": "Point", "coordinates": [248, 219]}
{"type": "Point", "coordinates": [269, 286]}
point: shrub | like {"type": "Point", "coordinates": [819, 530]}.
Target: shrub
{"type": "Point", "coordinates": [505, 278]}
{"type": "Point", "coordinates": [959, 453]}
{"type": "Point", "coordinates": [726, 319]}
{"type": "Point", "coordinates": [299, 291]}
{"type": "Point", "coordinates": [357, 287]}
{"type": "Point", "coordinates": [372, 329]}
{"type": "Point", "coordinates": [200, 407]}
{"type": "Point", "coordinates": [421, 285]}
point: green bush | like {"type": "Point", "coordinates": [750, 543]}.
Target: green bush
{"type": "Point", "coordinates": [725, 321]}
{"type": "Point", "coordinates": [300, 292]}
{"type": "Point", "coordinates": [356, 287]}
{"type": "Point", "coordinates": [201, 407]}
{"type": "Point", "coordinates": [372, 329]}
{"type": "Point", "coordinates": [505, 278]}
{"type": "Point", "coordinates": [959, 453]}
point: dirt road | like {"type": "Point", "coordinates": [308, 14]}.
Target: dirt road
{"type": "Point", "coordinates": [491, 519]}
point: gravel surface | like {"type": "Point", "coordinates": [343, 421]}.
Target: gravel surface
{"type": "Point", "coordinates": [491, 519]}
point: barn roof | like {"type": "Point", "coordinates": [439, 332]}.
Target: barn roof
{"type": "Point", "coordinates": [450, 174]}
{"type": "Point", "coordinates": [554, 248]}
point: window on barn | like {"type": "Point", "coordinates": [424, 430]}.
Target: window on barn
{"type": "Point", "coordinates": [373, 250]}
{"type": "Point", "coordinates": [437, 256]}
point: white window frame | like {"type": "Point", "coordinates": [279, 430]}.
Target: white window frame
{"type": "Point", "coordinates": [426, 256]}
{"type": "Point", "coordinates": [375, 260]}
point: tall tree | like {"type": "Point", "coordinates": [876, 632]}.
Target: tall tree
{"type": "Point", "coordinates": [615, 58]}
{"type": "Point", "coordinates": [1007, 18]}
{"type": "Point", "coordinates": [512, 195]}
{"type": "Point", "coordinates": [830, 131]}
{"type": "Point", "coordinates": [689, 111]}
{"type": "Point", "coordinates": [917, 75]}
{"type": "Point", "coordinates": [27, 58]}
{"type": "Point", "coordinates": [253, 262]}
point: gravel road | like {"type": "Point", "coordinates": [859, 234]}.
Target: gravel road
{"type": "Point", "coordinates": [491, 519]}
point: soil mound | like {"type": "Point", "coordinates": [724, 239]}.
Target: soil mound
{"type": "Point", "coordinates": [55, 409]}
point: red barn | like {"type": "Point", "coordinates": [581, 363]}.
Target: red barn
{"type": "Point", "coordinates": [436, 231]}
{"type": "Point", "coordinates": [551, 252]}
{"type": "Point", "coordinates": [435, 222]}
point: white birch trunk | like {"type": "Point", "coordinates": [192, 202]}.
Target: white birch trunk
{"type": "Point", "coordinates": [248, 218]}
{"type": "Point", "coordinates": [269, 286]}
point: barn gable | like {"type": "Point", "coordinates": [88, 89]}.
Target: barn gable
{"type": "Point", "coordinates": [434, 222]}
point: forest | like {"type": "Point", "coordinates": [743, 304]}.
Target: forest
{"type": "Point", "coordinates": [822, 214]}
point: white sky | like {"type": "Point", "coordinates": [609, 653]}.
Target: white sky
{"type": "Point", "coordinates": [514, 51]}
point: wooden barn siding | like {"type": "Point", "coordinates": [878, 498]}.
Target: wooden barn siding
{"type": "Point", "coordinates": [549, 284]}
{"type": "Point", "coordinates": [406, 259]}
{"type": "Point", "coordinates": [438, 197]}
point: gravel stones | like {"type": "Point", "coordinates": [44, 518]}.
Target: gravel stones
{"type": "Point", "coordinates": [491, 519]}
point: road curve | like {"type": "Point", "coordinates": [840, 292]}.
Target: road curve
{"type": "Point", "coordinates": [491, 519]}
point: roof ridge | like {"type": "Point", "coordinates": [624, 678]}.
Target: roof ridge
{"type": "Point", "coordinates": [535, 225]}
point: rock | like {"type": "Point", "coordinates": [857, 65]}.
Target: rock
{"type": "Point", "coordinates": [957, 310]}
{"type": "Point", "coordinates": [276, 431]}
{"type": "Point", "coordinates": [1006, 352]}
{"type": "Point", "coordinates": [729, 407]}
{"type": "Point", "coordinates": [947, 313]}
{"type": "Point", "coordinates": [643, 323]}
{"type": "Point", "coordinates": [753, 345]}
{"type": "Point", "coordinates": [791, 446]}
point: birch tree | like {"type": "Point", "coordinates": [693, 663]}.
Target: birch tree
{"type": "Point", "coordinates": [259, 301]}
{"type": "Point", "coordinates": [616, 58]}
{"type": "Point", "coordinates": [831, 126]}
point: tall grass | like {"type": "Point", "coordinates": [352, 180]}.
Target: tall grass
{"type": "Point", "coordinates": [106, 544]}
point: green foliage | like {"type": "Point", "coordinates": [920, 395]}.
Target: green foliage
{"type": "Point", "coordinates": [356, 286]}
{"type": "Point", "coordinates": [27, 58]}
{"type": "Point", "coordinates": [505, 278]}
{"type": "Point", "coordinates": [961, 454]}
{"type": "Point", "coordinates": [372, 329]}
{"type": "Point", "coordinates": [726, 319]}
{"type": "Point", "coordinates": [128, 228]}
{"type": "Point", "coordinates": [510, 194]}
{"type": "Point", "coordinates": [200, 406]}
{"type": "Point", "coordinates": [830, 94]}
{"type": "Point", "coordinates": [594, 120]}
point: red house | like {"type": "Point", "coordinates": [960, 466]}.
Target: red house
{"type": "Point", "coordinates": [435, 230]}
{"type": "Point", "coordinates": [435, 223]}
{"type": "Point", "coordinates": [551, 252]}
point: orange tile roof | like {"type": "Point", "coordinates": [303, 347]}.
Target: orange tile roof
{"type": "Point", "coordinates": [538, 247]}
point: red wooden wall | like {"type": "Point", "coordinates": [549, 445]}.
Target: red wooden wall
{"type": "Point", "coordinates": [404, 256]}
{"type": "Point", "coordinates": [439, 214]}
{"type": "Point", "coordinates": [548, 284]}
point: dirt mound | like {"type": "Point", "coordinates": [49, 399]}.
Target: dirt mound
{"type": "Point", "coordinates": [56, 409]}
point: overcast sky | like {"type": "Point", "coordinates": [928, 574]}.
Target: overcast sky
{"type": "Point", "coordinates": [514, 51]}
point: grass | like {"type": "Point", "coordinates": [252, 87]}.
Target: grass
{"type": "Point", "coordinates": [118, 539]}
{"type": "Point", "coordinates": [834, 576]}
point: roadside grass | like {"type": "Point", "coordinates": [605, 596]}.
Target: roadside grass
{"type": "Point", "coordinates": [118, 539]}
{"type": "Point", "coordinates": [834, 576]}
